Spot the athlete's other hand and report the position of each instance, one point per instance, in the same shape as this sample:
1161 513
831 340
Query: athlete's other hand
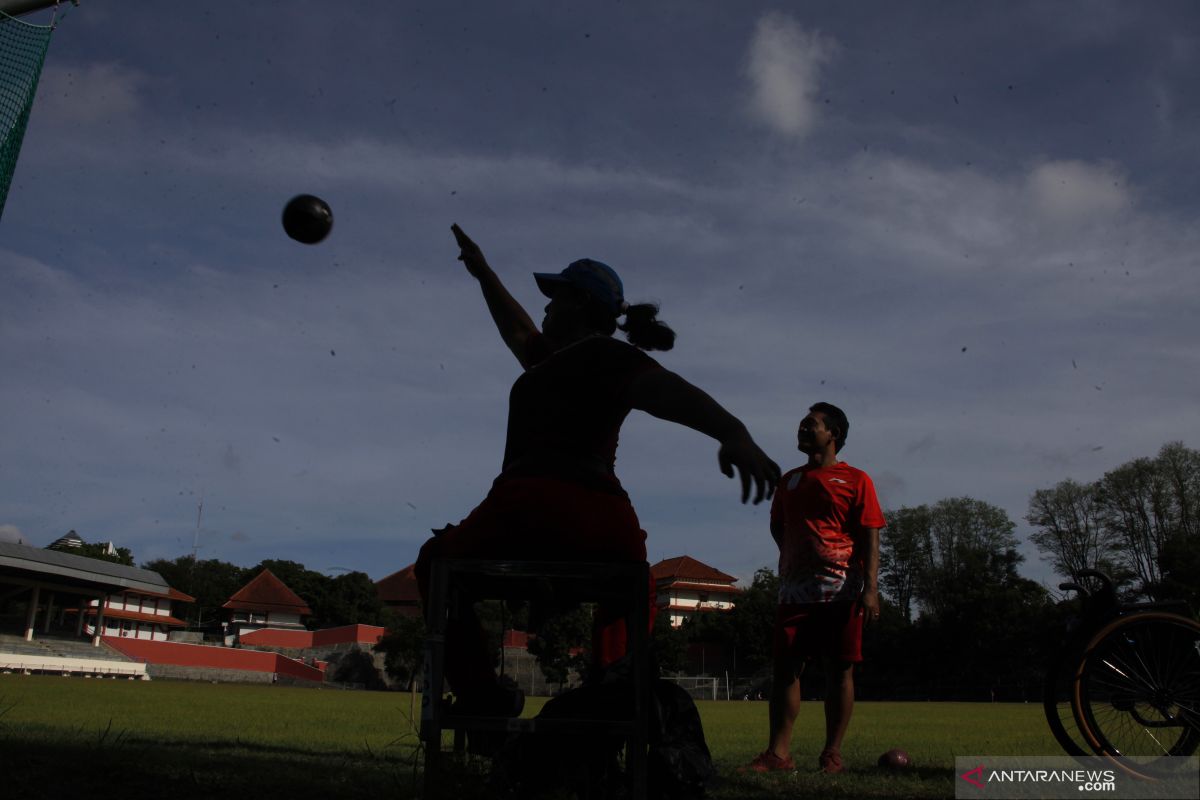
870 605
751 463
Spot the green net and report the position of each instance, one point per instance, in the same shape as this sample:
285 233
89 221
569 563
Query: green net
22 51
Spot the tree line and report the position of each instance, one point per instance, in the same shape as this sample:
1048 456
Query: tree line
1139 522
344 599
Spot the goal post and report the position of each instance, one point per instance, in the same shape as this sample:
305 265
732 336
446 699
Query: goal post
700 687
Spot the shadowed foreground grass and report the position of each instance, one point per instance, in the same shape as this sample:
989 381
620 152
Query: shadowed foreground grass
159 739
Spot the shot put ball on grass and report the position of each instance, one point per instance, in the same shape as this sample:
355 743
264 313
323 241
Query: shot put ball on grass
307 218
895 759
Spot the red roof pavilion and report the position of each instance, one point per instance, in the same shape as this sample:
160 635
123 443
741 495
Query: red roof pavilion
267 594
399 591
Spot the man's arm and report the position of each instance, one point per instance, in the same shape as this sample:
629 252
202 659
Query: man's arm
777 533
666 395
512 321
870 593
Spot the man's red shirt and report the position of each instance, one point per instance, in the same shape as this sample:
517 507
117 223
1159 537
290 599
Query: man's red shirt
823 512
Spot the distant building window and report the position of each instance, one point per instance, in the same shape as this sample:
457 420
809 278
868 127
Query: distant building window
703 597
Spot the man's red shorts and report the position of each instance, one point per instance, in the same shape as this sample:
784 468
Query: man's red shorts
830 630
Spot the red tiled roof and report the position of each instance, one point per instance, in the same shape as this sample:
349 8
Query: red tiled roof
170 594
267 593
690 586
120 613
688 568
517 639
399 588
175 594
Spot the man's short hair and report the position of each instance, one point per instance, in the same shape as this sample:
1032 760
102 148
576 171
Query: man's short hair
835 419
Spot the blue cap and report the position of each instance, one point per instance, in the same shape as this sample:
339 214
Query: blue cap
594 277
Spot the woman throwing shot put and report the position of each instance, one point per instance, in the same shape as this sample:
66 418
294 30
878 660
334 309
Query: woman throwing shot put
557 497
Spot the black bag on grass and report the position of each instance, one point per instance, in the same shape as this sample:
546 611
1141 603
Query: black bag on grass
678 766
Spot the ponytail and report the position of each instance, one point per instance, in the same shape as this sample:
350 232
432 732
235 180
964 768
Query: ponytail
644 330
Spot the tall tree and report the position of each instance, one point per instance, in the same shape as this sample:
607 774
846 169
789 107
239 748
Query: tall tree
751 623
670 646
902 555
403 646
1180 469
1152 507
969 542
353 599
1070 529
1137 510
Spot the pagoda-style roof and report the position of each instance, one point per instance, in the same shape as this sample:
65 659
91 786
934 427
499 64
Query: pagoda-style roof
686 568
399 588
267 594
69 539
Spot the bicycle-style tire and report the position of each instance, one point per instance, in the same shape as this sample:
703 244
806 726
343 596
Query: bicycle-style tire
1058 706
1136 691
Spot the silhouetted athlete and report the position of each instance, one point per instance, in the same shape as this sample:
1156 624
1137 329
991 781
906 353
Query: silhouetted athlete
557 497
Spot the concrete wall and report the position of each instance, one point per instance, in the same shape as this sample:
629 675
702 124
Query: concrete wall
292 640
207 657
210 674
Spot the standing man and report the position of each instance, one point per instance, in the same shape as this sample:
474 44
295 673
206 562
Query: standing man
826 520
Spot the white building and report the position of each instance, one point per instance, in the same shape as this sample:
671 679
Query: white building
686 587
137 614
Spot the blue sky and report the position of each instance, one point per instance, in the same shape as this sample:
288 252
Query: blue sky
972 226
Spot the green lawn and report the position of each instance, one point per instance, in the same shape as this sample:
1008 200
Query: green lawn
136 739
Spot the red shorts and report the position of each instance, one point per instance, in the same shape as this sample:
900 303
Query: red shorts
533 518
829 630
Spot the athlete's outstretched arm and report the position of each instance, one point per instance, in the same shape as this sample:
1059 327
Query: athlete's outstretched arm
665 395
511 319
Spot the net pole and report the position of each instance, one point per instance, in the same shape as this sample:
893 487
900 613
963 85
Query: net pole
15 8
22 52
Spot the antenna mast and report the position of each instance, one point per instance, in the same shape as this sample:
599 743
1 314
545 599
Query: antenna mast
195 551
196 536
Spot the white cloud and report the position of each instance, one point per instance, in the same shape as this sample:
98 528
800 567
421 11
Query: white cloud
1078 192
11 533
784 65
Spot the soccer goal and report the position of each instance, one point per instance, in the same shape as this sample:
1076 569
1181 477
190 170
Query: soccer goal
700 687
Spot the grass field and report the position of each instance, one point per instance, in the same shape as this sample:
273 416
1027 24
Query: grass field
160 739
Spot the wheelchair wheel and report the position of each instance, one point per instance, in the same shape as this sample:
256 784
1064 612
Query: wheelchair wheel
1056 703
1136 691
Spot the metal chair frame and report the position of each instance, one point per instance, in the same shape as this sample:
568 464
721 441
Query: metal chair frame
455 582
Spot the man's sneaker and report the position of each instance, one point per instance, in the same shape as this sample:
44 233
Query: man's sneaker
767 761
830 761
